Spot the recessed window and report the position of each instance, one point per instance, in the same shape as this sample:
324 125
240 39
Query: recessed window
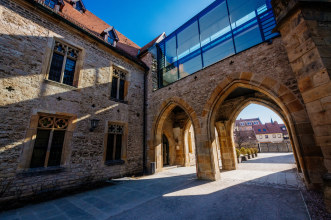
274 136
118 84
242 123
78 6
266 136
111 37
256 123
50 3
264 130
49 141
259 130
261 137
114 143
249 123
63 64
279 135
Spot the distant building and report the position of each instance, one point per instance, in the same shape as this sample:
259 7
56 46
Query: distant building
271 132
246 124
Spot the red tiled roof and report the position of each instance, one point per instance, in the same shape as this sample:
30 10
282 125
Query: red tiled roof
97 26
150 44
267 128
247 120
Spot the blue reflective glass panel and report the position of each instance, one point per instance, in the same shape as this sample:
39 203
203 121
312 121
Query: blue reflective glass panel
188 40
69 72
170 74
190 65
170 50
218 52
214 24
248 38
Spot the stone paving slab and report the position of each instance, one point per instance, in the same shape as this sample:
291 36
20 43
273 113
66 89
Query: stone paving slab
255 191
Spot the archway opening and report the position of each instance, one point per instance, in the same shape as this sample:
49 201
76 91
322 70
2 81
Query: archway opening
177 147
231 136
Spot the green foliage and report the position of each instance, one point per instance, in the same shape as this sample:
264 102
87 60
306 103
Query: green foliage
243 151
238 152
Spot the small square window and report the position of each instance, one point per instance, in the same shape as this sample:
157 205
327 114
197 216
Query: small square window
266 136
63 64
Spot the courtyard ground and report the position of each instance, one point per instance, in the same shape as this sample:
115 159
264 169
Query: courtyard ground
266 187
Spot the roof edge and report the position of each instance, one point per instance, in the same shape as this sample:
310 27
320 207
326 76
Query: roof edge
77 27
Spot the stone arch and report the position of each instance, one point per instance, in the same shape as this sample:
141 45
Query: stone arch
157 127
283 98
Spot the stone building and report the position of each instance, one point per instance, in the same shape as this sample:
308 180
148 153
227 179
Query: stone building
270 132
115 109
246 124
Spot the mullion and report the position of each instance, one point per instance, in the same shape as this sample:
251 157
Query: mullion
64 63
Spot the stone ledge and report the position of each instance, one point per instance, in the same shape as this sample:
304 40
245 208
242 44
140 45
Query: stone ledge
114 162
40 171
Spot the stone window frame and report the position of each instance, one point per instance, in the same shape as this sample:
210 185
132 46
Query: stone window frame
274 136
279 135
48 61
29 142
126 83
266 136
124 144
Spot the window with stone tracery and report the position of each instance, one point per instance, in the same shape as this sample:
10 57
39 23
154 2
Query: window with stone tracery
114 142
48 145
118 84
63 64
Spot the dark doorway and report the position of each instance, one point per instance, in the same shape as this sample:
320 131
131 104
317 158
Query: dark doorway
165 144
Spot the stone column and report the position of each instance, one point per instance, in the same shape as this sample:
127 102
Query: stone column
207 161
305 27
228 153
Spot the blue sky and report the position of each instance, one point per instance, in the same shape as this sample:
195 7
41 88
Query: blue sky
259 111
143 20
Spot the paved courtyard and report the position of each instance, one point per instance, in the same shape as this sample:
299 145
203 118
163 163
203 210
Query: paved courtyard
266 187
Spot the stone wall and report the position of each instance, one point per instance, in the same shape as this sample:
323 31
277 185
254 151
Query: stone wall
26 42
266 69
275 147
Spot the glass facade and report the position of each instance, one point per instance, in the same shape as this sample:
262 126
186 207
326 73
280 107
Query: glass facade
224 28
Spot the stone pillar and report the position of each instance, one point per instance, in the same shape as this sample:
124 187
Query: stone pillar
305 27
207 161
228 153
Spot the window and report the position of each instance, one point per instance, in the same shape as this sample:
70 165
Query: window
261 137
264 129
50 3
256 123
63 65
249 123
114 143
259 130
242 123
48 146
111 37
79 6
274 136
118 84
279 135
266 136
